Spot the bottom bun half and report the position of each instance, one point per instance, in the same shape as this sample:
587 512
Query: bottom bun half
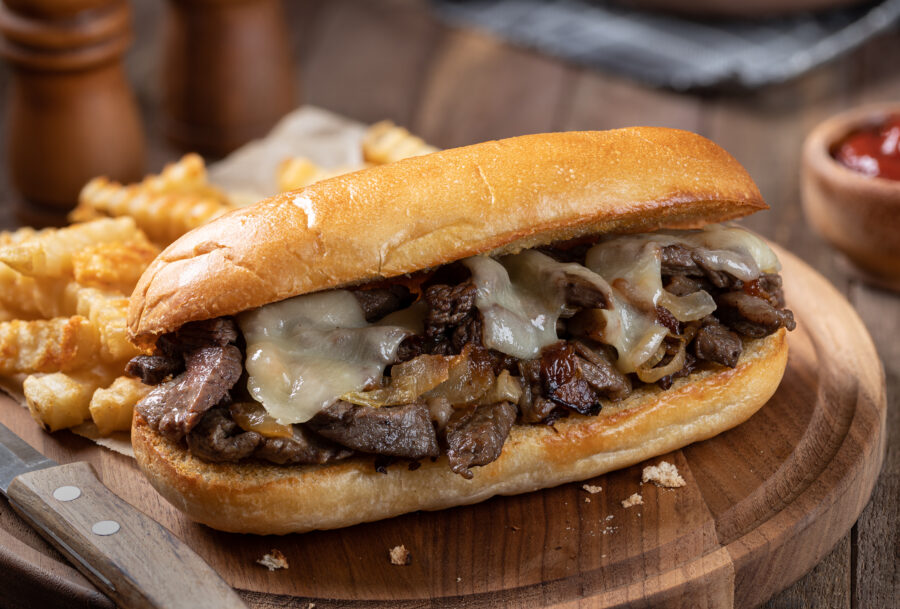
254 497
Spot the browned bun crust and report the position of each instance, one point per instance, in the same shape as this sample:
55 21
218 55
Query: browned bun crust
498 196
252 497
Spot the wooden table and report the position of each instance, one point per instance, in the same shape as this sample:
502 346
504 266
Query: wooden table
393 60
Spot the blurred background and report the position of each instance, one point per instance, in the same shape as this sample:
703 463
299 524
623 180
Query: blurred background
746 74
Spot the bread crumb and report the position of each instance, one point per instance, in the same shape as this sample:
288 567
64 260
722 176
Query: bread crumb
665 474
458 579
311 606
593 490
273 560
587 499
635 499
400 556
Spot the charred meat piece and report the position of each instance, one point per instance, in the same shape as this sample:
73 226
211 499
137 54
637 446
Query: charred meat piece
475 436
220 331
752 316
767 287
533 407
218 438
581 293
665 318
716 343
600 372
154 369
305 447
448 306
379 302
175 407
398 431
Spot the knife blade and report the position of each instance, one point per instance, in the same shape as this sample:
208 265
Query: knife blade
130 557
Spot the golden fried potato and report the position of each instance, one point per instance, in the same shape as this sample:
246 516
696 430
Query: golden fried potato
298 172
163 216
111 408
60 400
49 254
107 311
30 298
385 142
47 345
113 266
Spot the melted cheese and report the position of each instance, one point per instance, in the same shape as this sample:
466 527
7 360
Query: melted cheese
521 297
304 352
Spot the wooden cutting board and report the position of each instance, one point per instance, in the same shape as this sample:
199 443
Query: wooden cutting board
763 504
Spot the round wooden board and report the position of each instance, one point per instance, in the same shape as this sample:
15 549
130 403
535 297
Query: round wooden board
764 502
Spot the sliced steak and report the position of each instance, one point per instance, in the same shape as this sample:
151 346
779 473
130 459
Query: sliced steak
154 369
220 331
382 301
677 260
475 436
716 343
752 316
305 447
448 306
581 293
176 406
218 438
682 285
398 431
600 372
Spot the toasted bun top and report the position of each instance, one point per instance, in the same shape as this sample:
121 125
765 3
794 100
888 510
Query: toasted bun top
499 196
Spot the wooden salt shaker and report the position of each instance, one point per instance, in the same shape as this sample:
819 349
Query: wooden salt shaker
228 72
72 115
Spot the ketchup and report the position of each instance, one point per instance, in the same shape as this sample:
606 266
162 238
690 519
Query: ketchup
875 151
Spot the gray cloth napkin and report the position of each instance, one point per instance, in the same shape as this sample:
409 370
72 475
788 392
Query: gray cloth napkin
676 52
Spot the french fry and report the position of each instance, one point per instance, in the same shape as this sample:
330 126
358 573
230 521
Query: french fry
113 266
30 298
111 408
59 400
385 142
49 254
18 236
163 216
298 172
47 345
107 312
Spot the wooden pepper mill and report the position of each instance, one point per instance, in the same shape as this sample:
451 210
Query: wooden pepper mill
72 115
228 74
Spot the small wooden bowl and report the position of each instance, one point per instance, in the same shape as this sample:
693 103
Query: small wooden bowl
857 214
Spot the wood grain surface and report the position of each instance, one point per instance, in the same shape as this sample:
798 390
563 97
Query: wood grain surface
393 60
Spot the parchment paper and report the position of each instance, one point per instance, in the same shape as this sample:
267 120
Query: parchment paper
249 174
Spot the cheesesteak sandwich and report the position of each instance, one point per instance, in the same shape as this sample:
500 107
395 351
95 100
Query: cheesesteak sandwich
486 320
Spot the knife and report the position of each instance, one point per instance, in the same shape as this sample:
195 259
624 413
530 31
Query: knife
130 557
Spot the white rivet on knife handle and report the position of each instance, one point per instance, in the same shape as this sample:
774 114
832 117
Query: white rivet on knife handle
67 493
105 527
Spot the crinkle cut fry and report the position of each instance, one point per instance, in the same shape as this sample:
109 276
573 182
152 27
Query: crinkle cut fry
47 345
163 216
385 142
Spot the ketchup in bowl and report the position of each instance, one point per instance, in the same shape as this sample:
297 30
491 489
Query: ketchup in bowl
873 151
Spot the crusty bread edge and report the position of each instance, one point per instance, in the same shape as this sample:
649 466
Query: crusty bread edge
494 197
268 499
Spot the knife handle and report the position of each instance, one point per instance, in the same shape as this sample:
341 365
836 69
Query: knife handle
130 557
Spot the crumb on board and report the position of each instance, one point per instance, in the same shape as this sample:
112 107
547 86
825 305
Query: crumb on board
311 606
593 490
635 499
587 499
665 475
400 555
273 560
